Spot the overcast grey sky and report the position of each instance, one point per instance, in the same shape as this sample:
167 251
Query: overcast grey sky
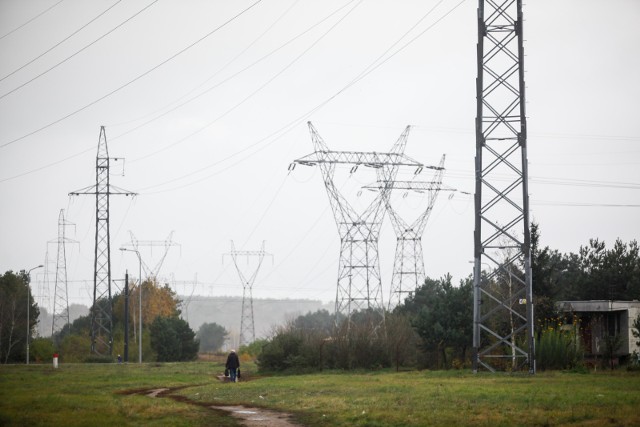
207 102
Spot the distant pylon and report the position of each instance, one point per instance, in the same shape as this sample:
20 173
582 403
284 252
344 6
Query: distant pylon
408 266
359 284
102 308
247 324
61 293
152 272
44 293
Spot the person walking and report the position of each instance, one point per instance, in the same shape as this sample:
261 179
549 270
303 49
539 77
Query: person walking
233 363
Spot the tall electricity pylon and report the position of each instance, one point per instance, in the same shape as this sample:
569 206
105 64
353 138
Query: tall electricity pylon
152 273
44 293
186 296
359 284
61 292
503 309
408 266
102 308
247 324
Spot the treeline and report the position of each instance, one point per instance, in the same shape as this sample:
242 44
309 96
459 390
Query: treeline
433 327
165 336
431 330
595 272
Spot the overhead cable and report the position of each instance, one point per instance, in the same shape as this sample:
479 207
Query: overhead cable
32 19
61 41
289 126
175 55
282 70
74 54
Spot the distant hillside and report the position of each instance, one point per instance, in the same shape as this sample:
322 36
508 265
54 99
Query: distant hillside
226 311
45 319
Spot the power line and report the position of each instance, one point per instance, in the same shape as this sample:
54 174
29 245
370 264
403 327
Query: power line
587 205
283 130
61 41
224 67
32 19
282 70
74 54
289 126
193 98
136 78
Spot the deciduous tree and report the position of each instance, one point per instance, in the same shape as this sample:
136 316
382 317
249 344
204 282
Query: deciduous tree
211 336
14 297
173 340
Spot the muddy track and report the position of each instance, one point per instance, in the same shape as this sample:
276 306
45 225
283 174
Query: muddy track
247 415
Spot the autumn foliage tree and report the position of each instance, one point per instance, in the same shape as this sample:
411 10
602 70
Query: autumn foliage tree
157 301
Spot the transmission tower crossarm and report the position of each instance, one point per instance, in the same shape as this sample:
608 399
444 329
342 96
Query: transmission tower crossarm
167 244
369 159
112 190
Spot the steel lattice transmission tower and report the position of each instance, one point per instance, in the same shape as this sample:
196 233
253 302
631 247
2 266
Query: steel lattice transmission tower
61 292
408 266
247 324
503 307
152 272
102 310
359 284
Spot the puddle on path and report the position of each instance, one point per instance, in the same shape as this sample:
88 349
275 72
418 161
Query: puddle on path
258 417
247 415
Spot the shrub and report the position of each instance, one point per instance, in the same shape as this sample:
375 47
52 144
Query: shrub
98 359
282 352
42 350
558 346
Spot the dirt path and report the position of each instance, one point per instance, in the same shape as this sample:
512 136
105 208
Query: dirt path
247 415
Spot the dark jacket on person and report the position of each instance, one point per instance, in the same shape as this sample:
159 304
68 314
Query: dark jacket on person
232 361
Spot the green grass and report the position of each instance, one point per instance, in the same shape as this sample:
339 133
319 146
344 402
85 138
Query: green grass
102 395
96 394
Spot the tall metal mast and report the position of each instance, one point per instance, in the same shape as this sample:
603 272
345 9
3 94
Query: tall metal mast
247 324
152 272
408 266
102 308
503 306
61 292
359 284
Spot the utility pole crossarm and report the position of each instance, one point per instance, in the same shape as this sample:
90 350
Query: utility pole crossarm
418 186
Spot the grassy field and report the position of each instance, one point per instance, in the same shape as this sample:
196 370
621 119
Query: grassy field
116 395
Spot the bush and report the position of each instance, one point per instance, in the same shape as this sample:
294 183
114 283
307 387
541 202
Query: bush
558 346
282 352
362 343
41 350
75 348
94 358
